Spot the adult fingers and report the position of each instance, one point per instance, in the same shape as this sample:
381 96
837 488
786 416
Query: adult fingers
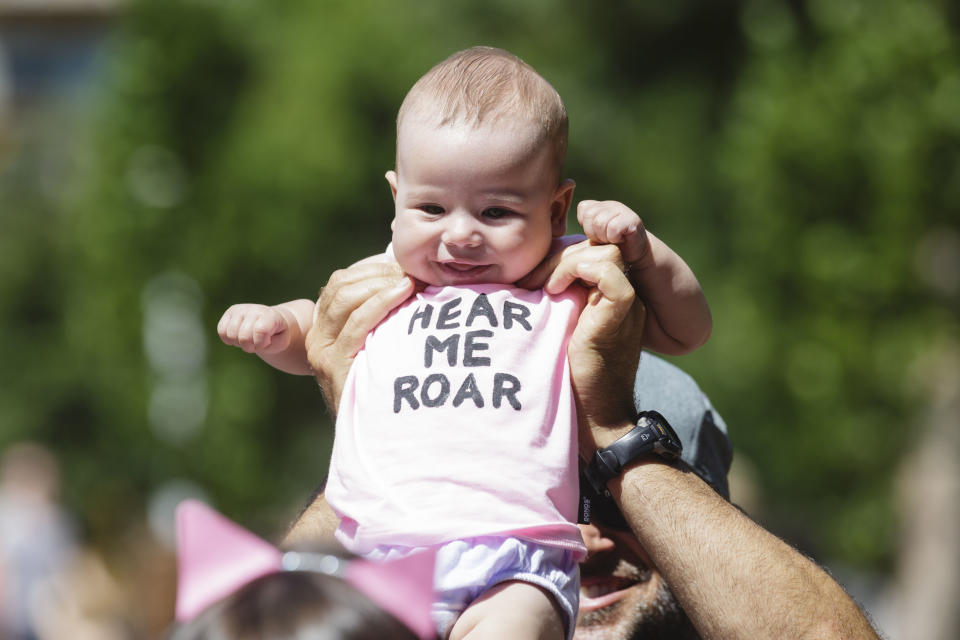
349 288
537 278
609 301
356 310
604 348
347 314
582 262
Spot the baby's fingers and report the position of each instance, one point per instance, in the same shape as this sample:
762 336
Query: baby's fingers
607 222
590 215
622 226
246 332
258 328
269 332
251 327
229 326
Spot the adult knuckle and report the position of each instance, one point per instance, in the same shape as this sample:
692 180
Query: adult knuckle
392 268
321 359
610 252
340 298
612 270
337 278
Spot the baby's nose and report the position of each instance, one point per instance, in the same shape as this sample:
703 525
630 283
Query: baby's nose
462 230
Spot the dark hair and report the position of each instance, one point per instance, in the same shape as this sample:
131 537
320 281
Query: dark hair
294 605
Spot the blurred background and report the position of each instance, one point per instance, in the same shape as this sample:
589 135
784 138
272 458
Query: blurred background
162 159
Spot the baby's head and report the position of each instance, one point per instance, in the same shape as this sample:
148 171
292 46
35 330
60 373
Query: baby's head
291 606
481 140
232 585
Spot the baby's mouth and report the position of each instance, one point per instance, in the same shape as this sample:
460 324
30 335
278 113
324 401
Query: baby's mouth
463 268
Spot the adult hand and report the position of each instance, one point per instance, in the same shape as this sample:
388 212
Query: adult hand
353 302
605 347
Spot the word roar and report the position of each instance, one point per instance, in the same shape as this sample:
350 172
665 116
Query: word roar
435 391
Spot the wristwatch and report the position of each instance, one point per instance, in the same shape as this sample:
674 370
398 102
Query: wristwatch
653 434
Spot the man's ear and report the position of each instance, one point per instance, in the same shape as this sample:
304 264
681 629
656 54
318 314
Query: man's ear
391 177
559 207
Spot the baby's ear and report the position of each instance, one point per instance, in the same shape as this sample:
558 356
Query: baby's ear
391 177
562 198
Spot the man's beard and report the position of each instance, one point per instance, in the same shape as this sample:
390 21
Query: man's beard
658 619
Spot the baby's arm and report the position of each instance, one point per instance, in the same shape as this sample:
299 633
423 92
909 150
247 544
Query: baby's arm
276 334
678 318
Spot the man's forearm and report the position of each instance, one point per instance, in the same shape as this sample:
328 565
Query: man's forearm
315 526
732 577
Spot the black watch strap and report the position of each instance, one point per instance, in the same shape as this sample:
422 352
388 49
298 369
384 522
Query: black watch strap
653 434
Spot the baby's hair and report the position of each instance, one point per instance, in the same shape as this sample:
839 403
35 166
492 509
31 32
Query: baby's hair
294 605
483 84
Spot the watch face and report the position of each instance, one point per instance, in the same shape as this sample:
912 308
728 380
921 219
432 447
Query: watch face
667 444
652 435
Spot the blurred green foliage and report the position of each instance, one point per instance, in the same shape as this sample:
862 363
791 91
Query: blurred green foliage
803 156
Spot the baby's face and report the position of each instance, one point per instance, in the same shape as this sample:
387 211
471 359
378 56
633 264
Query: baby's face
474 205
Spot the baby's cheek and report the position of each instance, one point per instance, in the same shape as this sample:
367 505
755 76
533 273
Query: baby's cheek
413 259
402 253
528 259
408 262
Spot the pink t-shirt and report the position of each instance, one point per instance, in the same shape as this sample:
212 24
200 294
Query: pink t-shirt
457 420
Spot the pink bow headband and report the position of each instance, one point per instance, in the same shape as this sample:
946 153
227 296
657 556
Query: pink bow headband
215 557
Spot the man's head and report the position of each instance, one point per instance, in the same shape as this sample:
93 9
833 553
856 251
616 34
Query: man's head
622 595
480 145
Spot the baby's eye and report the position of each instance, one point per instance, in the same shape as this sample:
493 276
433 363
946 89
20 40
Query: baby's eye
496 212
432 209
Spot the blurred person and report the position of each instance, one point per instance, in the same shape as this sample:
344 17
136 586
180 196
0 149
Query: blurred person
36 537
460 425
6 109
85 602
668 555
234 586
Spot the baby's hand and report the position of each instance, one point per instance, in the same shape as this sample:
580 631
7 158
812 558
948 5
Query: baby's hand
255 328
611 222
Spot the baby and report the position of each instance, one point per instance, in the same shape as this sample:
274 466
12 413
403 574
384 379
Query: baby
457 426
